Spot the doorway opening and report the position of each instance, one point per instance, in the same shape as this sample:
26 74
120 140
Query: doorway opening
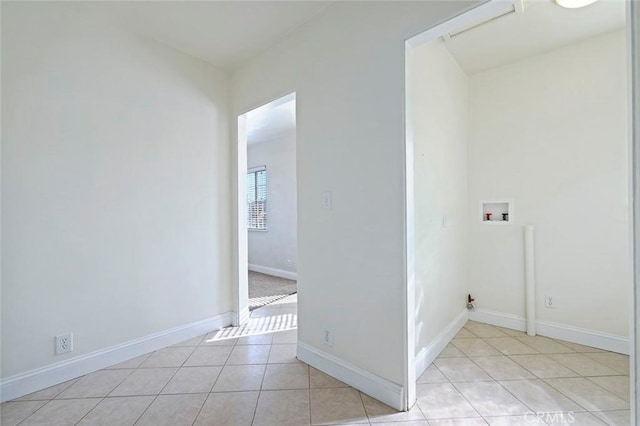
267 211
517 115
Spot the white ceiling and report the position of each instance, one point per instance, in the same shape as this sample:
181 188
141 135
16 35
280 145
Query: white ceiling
541 27
223 33
270 121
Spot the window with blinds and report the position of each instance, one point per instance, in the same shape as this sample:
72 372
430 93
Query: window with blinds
257 198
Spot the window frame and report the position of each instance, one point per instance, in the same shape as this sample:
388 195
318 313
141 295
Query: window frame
254 171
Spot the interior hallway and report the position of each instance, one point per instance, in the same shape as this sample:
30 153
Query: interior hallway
250 376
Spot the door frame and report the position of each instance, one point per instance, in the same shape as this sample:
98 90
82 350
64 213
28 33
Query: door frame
476 14
633 44
241 233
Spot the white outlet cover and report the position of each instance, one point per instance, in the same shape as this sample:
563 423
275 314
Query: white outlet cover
326 200
328 337
64 343
549 301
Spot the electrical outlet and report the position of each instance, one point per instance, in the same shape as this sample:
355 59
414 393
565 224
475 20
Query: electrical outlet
289 263
326 200
64 343
328 337
549 302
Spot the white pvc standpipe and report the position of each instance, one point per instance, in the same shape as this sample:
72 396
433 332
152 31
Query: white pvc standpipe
529 280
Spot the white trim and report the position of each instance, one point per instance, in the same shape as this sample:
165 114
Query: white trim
375 386
431 352
500 319
290 275
595 339
475 15
269 105
243 317
43 377
633 43
581 336
241 235
409 289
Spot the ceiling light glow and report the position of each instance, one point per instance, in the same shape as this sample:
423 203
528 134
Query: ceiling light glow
574 4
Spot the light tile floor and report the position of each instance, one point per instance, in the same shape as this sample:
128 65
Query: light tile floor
250 376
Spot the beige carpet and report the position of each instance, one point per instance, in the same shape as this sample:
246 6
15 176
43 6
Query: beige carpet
265 289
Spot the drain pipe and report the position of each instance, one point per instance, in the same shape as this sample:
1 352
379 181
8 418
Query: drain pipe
529 280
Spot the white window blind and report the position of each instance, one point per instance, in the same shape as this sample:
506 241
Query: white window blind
257 198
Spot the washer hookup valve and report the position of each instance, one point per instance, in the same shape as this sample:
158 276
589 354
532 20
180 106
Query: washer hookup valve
470 301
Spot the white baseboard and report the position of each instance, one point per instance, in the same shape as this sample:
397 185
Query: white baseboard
426 356
499 319
290 275
595 339
40 378
375 386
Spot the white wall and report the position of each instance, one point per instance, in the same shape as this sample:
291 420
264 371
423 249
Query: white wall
115 186
272 248
347 69
438 96
550 132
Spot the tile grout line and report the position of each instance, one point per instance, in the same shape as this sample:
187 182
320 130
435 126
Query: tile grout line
23 420
544 380
568 397
607 390
546 356
88 412
208 394
64 390
565 366
102 399
264 374
507 390
465 398
165 385
538 378
309 382
364 408
493 381
519 341
420 409
26 418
